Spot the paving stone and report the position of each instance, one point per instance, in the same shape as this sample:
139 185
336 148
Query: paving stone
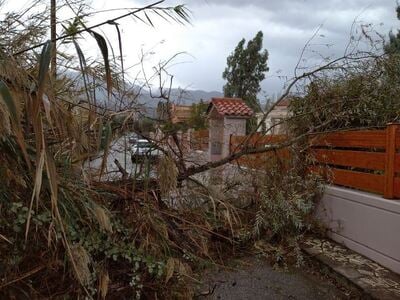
348 272
372 278
367 273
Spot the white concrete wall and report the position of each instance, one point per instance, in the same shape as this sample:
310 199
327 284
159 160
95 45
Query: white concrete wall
216 130
232 126
364 222
279 112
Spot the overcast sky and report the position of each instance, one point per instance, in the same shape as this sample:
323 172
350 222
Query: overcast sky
218 25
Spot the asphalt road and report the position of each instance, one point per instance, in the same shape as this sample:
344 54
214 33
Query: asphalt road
121 150
258 280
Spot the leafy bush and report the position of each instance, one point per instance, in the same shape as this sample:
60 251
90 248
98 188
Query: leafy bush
287 201
285 207
366 94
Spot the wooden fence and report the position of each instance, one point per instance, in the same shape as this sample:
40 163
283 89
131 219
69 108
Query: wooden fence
199 140
366 160
257 141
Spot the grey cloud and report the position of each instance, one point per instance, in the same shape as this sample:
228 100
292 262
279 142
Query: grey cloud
287 24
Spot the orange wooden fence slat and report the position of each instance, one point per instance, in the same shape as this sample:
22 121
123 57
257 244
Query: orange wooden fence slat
257 139
397 142
352 139
355 159
389 162
363 181
237 143
397 163
396 187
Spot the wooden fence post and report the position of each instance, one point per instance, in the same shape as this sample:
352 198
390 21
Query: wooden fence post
391 130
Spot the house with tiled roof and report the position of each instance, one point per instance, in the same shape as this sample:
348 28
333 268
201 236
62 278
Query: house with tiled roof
275 117
227 116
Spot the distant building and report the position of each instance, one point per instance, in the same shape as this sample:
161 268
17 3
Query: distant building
180 113
276 117
227 116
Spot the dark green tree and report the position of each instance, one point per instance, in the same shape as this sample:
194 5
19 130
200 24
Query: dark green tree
246 68
197 119
393 46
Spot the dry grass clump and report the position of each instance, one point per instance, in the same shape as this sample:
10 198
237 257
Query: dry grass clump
167 173
82 262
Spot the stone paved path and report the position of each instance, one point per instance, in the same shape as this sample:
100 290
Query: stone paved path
375 280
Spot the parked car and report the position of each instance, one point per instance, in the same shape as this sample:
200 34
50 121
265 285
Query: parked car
144 149
133 139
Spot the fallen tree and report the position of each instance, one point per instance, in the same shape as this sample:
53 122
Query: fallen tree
65 232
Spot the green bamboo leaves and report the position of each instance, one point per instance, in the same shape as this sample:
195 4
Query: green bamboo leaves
9 101
44 64
101 42
15 120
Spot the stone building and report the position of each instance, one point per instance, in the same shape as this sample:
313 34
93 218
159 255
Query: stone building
227 116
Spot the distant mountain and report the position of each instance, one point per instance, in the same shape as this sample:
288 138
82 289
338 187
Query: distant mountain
182 97
188 97
178 96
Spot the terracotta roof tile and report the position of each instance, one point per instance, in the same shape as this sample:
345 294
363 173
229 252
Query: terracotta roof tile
231 107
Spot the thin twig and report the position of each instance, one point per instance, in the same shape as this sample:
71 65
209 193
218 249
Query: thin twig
27 274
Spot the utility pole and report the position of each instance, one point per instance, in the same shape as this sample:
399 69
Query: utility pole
53 36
